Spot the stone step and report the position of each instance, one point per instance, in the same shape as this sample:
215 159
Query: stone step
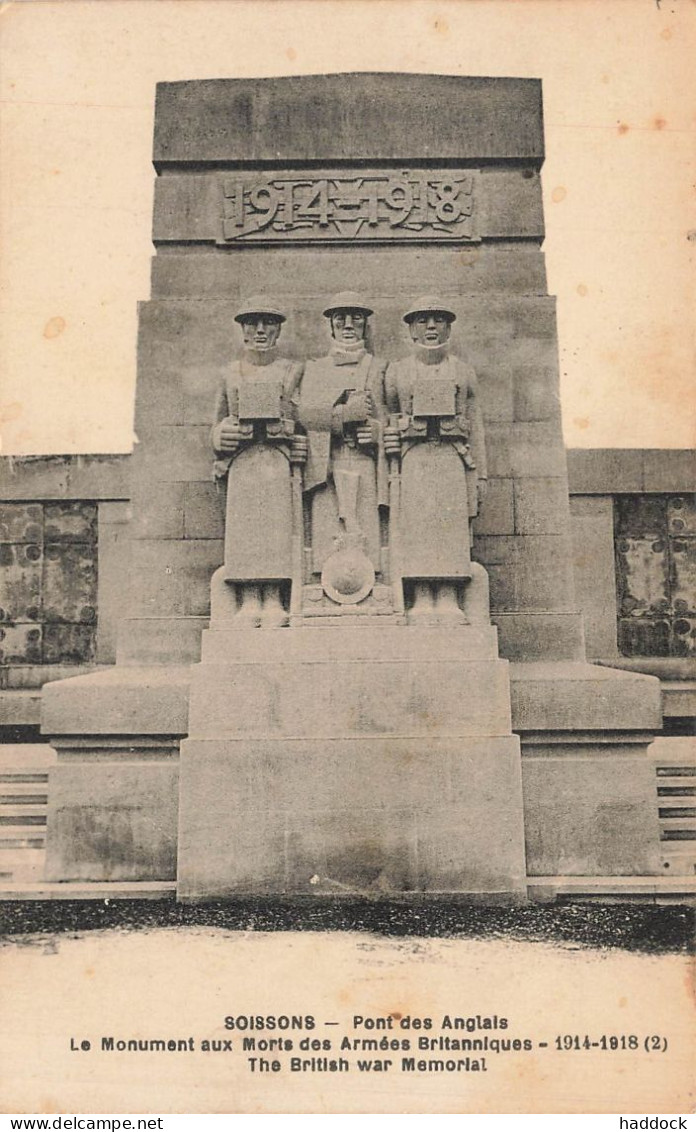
672 823
33 837
24 770
672 888
675 788
22 813
19 777
88 890
540 889
23 794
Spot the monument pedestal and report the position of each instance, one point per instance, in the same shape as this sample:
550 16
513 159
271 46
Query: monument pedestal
391 769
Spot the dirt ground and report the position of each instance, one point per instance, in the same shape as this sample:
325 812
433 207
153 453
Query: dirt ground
641 928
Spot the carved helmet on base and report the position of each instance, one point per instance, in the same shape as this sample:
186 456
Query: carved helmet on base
428 304
260 304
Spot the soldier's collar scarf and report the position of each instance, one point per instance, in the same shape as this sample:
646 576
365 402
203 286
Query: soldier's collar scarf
431 355
347 355
260 357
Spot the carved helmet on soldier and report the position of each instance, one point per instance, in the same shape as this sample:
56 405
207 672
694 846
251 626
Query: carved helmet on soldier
428 304
347 301
259 305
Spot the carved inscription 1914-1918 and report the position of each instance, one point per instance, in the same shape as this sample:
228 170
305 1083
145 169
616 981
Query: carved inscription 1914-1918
353 205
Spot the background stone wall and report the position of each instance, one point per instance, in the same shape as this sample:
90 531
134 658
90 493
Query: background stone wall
64 561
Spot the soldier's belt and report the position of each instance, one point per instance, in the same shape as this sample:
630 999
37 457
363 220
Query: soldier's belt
280 429
412 427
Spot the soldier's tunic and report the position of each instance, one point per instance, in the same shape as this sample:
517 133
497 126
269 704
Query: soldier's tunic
258 509
439 476
333 450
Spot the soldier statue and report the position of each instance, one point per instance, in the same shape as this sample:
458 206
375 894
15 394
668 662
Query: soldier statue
256 444
342 410
436 428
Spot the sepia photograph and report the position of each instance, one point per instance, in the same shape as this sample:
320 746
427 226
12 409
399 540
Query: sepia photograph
347 557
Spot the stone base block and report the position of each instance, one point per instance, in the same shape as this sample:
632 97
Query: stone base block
540 636
348 816
380 642
590 810
118 701
112 812
349 698
570 696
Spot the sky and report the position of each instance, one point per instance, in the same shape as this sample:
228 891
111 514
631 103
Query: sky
76 118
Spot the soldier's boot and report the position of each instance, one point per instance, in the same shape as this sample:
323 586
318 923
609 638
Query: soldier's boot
248 615
423 608
273 616
447 606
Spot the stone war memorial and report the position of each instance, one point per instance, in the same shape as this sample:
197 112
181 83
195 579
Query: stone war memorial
350 658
